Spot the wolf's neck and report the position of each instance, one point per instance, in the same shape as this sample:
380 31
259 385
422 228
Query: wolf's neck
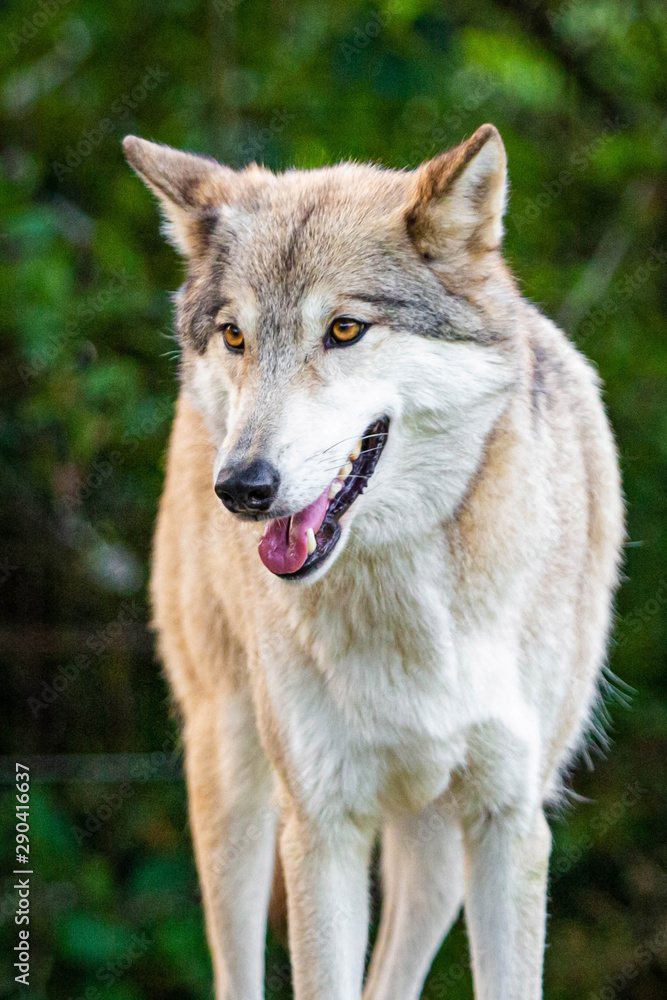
441 553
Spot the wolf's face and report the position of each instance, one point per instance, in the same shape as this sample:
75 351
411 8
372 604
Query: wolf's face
339 335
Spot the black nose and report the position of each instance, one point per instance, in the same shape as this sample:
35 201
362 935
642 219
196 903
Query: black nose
247 487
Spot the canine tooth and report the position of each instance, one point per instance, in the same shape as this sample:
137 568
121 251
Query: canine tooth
310 541
354 455
335 488
346 470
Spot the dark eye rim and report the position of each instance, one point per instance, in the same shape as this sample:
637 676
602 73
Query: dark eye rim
330 341
227 326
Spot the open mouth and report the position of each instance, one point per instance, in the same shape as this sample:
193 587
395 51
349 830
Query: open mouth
292 547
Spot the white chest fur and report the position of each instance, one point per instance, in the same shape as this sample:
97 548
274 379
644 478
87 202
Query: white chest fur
378 692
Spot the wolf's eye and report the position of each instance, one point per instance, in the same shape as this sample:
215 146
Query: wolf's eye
343 331
233 337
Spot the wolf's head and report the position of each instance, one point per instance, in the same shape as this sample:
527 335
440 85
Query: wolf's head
345 331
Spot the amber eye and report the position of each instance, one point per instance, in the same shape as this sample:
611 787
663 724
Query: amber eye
233 337
345 330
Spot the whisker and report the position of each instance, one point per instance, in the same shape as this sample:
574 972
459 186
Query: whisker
364 451
353 437
335 445
334 468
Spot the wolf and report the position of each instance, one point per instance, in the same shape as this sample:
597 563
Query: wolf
384 565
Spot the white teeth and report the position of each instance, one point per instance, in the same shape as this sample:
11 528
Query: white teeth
354 455
346 470
335 488
310 541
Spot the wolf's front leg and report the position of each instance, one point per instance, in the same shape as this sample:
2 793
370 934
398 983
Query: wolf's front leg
506 879
326 876
233 828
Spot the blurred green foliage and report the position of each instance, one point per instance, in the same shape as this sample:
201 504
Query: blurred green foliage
578 91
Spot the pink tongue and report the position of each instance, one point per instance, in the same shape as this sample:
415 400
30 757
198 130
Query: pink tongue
283 548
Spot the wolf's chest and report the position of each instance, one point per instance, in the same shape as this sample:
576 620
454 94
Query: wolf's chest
375 716
372 737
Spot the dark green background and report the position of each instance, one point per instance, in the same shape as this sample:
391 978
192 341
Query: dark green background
577 90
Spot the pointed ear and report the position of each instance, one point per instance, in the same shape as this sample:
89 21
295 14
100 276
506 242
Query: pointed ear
191 189
460 198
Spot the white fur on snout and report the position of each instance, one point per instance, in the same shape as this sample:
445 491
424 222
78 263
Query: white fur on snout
220 460
317 433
